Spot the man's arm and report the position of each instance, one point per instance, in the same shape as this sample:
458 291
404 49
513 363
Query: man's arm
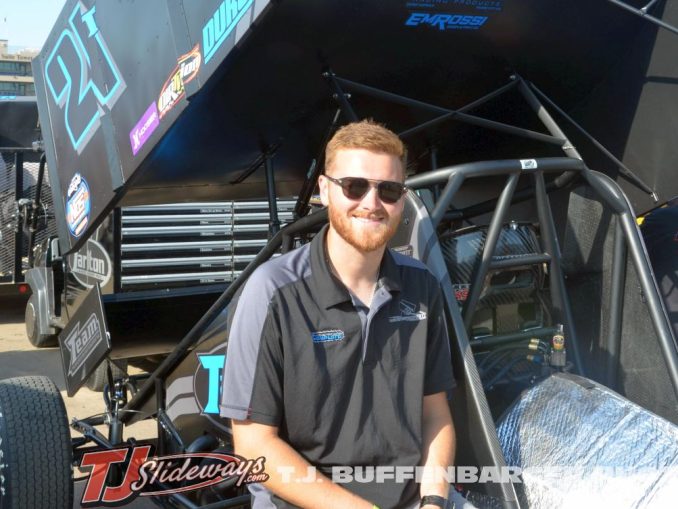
287 468
439 444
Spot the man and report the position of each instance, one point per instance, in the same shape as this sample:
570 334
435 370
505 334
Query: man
338 352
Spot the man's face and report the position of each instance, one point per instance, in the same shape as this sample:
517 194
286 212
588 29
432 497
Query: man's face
367 223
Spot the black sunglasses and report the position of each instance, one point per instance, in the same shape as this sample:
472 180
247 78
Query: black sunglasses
356 187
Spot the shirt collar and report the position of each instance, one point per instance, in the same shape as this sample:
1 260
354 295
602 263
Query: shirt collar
329 290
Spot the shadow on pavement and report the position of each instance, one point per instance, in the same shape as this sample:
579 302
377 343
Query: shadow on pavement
45 362
12 311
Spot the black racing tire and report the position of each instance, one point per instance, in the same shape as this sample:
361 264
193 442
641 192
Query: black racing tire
31 320
35 445
98 379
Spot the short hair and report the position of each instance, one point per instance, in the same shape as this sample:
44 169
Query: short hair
366 134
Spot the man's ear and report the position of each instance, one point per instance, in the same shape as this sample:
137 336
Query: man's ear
323 185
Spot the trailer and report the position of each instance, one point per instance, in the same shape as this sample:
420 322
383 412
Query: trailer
23 222
537 132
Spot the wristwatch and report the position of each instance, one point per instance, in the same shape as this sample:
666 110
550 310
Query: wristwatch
435 500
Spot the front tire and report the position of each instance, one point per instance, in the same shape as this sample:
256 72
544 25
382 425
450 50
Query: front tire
35 445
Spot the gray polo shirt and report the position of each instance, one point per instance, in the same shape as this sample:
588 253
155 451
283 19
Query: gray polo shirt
344 391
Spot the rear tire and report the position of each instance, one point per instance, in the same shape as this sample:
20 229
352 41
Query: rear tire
99 378
35 445
32 328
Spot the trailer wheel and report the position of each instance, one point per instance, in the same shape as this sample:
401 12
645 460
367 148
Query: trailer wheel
99 378
33 329
35 445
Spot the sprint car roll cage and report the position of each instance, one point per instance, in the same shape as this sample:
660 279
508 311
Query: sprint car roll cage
475 421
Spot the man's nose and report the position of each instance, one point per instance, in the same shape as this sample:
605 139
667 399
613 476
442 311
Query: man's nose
371 200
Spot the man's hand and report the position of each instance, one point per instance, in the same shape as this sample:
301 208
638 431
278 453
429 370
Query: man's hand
288 471
439 445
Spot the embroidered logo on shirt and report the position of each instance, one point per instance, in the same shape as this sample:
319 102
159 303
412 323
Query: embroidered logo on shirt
408 313
325 336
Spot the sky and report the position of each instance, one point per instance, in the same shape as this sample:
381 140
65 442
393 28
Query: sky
27 23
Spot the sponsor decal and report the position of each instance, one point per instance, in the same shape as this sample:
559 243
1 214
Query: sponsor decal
327 336
404 250
528 164
78 205
408 313
209 373
142 131
173 90
7 97
446 21
461 292
91 265
221 24
81 342
80 93
146 475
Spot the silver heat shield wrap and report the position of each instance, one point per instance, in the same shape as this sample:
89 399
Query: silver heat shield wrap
581 445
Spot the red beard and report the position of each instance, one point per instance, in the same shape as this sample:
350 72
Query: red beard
368 238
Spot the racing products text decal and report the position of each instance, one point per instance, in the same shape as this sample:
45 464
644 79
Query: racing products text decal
163 475
174 89
478 5
78 205
79 92
221 24
446 21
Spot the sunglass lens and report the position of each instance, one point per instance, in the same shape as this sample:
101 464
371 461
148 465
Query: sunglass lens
390 192
355 188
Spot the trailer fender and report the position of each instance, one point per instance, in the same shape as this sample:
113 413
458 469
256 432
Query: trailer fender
41 281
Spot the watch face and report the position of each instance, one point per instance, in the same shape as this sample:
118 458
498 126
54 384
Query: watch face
435 500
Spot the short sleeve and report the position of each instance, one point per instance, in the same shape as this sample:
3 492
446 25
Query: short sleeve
253 380
439 376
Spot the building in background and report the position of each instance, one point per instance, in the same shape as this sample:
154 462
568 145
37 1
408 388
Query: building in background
16 73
